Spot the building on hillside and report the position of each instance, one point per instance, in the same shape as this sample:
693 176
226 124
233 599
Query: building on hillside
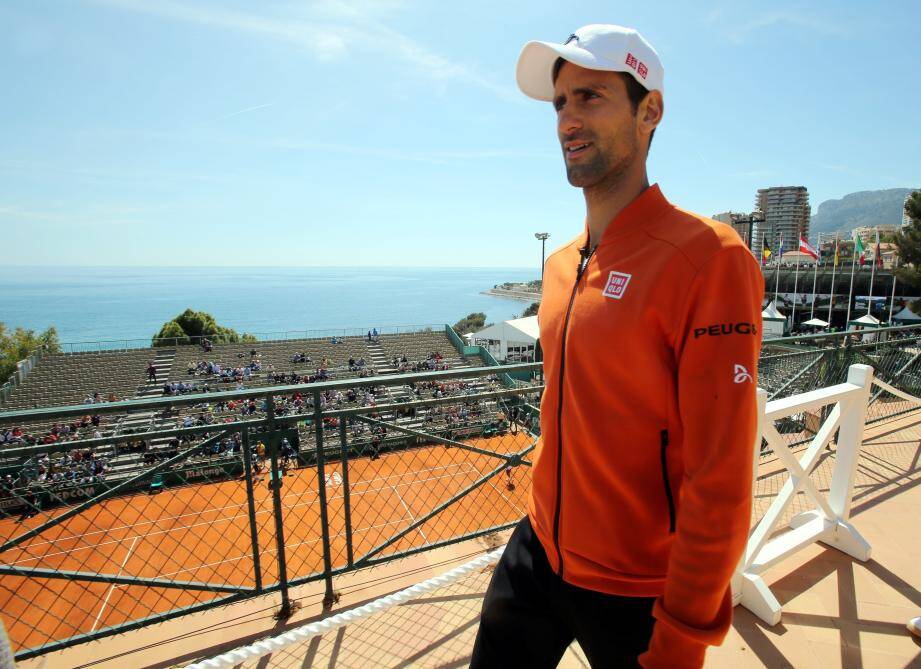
786 212
509 341
744 224
791 258
867 234
888 251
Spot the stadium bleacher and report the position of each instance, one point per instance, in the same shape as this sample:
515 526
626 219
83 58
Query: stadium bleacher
67 379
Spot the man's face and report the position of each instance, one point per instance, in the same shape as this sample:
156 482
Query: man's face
596 125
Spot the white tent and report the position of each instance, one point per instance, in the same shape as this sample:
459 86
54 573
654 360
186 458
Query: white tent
906 315
816 323
866 322
773 322
510 340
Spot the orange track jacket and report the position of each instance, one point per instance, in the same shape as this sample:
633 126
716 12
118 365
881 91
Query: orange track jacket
642 477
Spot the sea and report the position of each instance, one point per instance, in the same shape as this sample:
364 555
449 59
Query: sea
100 307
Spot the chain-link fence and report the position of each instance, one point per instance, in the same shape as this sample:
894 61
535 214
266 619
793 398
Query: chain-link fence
235 494
230 495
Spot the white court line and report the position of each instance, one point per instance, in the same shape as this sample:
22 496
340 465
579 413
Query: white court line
411 516
112 587
469 469
306 542
214 522
165 519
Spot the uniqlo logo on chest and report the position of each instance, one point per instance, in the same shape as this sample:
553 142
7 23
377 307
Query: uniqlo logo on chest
616 285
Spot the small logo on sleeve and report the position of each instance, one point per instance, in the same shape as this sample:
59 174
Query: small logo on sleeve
616 285
741 374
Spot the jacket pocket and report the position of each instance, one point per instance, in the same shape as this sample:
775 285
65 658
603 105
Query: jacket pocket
663 439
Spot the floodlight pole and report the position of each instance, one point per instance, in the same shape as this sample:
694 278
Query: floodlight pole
542 236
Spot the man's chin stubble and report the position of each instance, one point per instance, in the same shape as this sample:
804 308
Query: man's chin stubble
586 176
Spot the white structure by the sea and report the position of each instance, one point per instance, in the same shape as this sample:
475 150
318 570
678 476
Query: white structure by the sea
509 341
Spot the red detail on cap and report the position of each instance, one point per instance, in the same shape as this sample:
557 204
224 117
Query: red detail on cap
631 61
642 70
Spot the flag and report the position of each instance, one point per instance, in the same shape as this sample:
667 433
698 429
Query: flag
878 258
765 252
859 251
837 256
780 251
806 248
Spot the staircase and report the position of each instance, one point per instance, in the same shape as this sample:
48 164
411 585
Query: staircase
379 360
140 421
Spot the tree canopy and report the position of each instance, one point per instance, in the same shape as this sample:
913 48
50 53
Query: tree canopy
470 323
909 243
531 310
20 344
190 326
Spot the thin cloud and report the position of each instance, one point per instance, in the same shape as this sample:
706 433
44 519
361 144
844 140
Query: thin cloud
738 34
326 39
243 111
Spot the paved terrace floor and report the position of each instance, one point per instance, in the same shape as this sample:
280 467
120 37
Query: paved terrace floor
837 612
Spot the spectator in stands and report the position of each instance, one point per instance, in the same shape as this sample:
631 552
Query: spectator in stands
151 371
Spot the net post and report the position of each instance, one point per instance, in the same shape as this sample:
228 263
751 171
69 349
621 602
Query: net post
251 507
275 483
347 503
328 597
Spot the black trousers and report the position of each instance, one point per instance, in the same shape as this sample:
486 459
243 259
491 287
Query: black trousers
530 615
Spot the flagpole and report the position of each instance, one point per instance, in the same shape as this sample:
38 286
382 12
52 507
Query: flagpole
795 284
831 299
850 292
873 274
815 274
895 264
777 270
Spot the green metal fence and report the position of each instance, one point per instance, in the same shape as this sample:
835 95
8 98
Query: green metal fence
306 486
280 486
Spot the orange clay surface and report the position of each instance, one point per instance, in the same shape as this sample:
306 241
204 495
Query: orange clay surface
201 533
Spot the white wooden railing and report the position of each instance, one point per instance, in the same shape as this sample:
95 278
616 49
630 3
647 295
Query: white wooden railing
829 519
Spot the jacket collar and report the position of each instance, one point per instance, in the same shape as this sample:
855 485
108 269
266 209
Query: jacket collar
647 206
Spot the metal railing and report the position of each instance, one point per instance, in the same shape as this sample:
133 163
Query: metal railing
96 346
306 487
293 484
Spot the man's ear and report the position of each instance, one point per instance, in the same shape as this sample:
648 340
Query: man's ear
649 115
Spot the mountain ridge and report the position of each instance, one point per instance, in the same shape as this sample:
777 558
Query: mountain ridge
862 208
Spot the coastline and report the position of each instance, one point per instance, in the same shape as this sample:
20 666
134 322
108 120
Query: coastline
520 295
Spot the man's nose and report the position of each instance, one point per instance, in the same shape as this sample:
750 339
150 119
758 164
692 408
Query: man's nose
568 121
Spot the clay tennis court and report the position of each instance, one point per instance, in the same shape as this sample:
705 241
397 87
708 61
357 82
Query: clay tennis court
201 533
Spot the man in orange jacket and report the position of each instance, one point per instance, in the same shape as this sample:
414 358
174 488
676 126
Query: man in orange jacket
650 324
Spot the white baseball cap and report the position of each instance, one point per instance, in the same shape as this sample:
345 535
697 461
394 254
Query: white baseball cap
596 47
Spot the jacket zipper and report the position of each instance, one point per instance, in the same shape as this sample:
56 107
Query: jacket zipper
668 487
583 263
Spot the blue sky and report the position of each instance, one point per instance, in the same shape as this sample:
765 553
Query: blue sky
391 132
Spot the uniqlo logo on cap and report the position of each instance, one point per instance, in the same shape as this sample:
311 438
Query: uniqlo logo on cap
616 285
631 61
642 70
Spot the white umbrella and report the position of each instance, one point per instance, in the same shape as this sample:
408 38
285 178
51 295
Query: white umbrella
816 322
